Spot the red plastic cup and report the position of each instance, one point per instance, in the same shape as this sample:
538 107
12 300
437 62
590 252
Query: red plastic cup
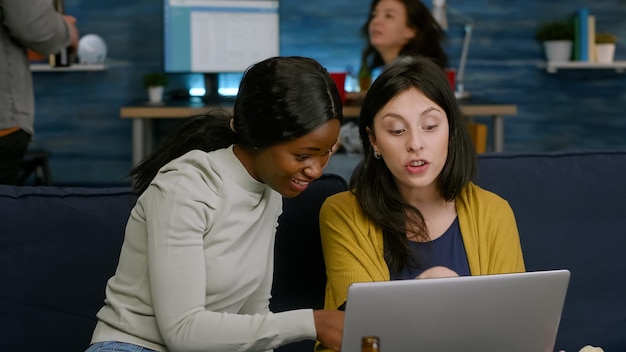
451 75
340 81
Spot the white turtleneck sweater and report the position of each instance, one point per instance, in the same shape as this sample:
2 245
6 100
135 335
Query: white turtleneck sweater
195 270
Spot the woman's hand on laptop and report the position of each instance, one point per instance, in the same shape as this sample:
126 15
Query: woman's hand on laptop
329 327
437 271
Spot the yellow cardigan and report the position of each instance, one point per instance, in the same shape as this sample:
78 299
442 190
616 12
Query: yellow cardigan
353 245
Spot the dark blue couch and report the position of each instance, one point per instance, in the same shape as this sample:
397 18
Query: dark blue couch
58 246
571 213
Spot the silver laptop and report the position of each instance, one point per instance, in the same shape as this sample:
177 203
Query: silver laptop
491 313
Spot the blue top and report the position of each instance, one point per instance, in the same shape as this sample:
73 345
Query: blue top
447 250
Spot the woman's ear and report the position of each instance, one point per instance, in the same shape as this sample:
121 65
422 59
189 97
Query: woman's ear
411 33
371 137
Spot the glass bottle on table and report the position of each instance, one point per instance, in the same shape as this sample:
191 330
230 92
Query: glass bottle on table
365 79
370 344
62 58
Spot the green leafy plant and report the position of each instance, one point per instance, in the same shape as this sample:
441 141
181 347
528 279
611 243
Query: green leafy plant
606 38
556 30
155 79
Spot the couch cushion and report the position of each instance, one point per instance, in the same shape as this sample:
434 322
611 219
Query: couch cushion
571 213
299 270
58 247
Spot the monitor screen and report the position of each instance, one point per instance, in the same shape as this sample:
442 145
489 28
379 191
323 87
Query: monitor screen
219 36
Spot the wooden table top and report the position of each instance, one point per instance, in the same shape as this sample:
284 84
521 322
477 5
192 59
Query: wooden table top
185 109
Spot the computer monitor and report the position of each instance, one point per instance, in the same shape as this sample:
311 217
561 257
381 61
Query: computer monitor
218 36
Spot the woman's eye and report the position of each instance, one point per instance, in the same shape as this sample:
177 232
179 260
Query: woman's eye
302 157
430 128
397 132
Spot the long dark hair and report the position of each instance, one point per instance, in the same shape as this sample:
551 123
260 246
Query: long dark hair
428 41
279 99
373 183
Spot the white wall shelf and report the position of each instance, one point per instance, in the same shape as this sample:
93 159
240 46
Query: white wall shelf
552 67
75 67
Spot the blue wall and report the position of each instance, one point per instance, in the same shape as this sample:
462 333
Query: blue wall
78 112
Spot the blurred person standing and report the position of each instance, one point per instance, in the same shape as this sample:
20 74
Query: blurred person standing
34 25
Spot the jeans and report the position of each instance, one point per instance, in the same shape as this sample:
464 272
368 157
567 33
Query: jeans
114 346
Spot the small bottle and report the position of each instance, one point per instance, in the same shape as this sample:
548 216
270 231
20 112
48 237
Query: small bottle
62 58
370 344
365 79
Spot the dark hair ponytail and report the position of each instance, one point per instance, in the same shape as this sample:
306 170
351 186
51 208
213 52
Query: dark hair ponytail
207 132
279 99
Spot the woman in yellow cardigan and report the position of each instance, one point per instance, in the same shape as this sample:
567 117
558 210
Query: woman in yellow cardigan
413 211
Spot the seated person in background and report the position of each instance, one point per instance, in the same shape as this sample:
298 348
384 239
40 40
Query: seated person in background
412 210
394 28
196 266
400 28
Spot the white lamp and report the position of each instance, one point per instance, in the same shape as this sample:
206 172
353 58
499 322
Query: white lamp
440 13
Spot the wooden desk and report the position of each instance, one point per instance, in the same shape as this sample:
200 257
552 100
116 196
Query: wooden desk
144 114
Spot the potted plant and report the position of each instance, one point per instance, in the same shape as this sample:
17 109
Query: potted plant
605 47
154 82
557 38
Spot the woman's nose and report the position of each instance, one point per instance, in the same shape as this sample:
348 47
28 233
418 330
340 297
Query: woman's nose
415 142
315 169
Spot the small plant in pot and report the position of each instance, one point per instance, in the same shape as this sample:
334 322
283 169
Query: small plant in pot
154 82
605 47
556 30
606 38
557 38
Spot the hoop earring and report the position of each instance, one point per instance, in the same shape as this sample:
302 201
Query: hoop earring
376 155
232 125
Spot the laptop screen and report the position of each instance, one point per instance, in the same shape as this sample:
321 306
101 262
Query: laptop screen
490 313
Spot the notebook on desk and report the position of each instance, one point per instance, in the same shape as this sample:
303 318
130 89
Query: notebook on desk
492 313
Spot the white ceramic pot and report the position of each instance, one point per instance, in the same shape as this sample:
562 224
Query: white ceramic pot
605 53
558 50
155 94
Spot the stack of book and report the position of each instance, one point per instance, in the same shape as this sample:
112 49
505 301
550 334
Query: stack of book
584 36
